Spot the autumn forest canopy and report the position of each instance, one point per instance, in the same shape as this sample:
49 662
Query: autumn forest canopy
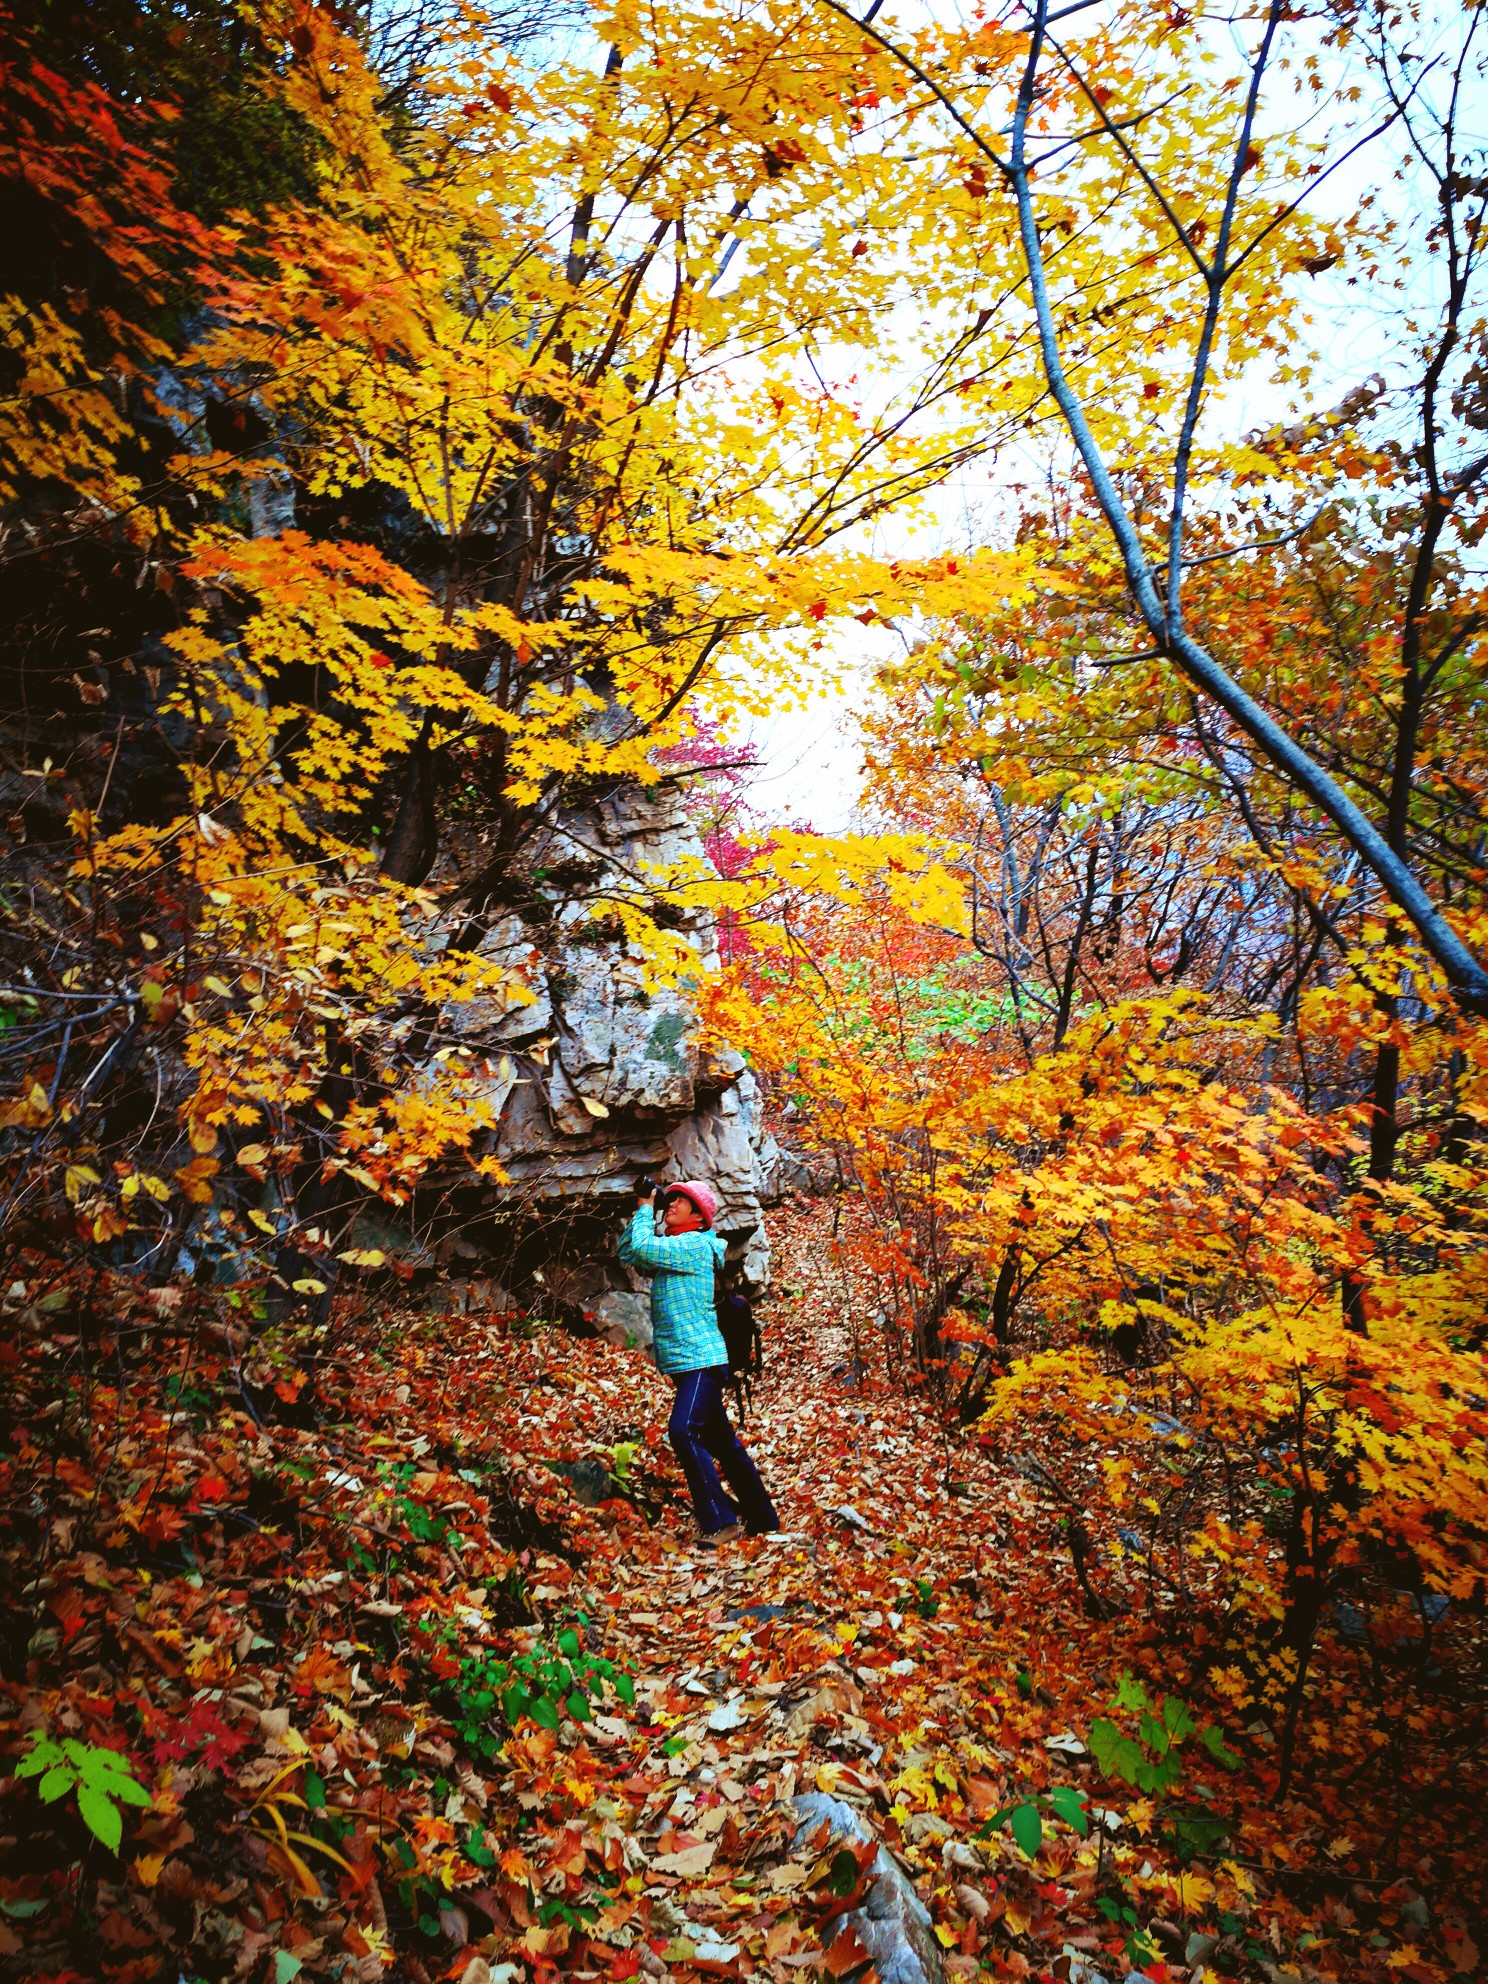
434 438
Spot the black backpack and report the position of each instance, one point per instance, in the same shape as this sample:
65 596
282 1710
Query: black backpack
742 1337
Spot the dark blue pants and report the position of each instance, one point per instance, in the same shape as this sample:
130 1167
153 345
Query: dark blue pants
701 1435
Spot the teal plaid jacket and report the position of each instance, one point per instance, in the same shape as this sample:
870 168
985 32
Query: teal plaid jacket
684 1323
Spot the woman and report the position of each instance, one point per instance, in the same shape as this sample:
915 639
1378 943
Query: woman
688 1346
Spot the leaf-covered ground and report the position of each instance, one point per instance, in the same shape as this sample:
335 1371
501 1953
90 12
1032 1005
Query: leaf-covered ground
423 1675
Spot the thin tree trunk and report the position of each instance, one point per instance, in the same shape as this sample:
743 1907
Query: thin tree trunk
414 840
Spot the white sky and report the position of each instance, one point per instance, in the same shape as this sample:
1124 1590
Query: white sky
811 768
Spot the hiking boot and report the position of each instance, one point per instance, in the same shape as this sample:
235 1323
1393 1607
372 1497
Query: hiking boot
714 1537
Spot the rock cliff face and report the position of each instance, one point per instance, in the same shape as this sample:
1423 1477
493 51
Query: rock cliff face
601 1080
596 1079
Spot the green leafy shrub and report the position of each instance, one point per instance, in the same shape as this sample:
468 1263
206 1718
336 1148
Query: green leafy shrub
102 1780
545 1684
1027 1815
1149 1760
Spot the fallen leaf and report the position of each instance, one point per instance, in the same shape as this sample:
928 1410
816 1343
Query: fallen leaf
690 1861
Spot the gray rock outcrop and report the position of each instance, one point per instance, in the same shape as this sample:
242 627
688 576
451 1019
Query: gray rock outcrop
594 1073
599 1076
892 1924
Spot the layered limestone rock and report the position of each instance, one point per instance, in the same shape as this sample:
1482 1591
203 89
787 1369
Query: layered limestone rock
599 1080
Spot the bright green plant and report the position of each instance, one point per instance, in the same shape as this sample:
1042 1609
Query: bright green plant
918 1598
1027 1815
622 1459
102 1780
1149 1760
1139 1947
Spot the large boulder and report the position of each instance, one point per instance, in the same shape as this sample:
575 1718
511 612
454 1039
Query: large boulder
599 1076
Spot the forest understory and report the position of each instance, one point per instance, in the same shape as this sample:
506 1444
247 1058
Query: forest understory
298 1598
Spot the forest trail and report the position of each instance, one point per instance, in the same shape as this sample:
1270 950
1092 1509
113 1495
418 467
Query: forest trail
415 1687
896 1650
447 454
413 1649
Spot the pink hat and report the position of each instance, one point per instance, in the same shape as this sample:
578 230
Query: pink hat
702 1196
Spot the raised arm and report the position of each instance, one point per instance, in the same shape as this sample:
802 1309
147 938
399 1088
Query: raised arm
641 1246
